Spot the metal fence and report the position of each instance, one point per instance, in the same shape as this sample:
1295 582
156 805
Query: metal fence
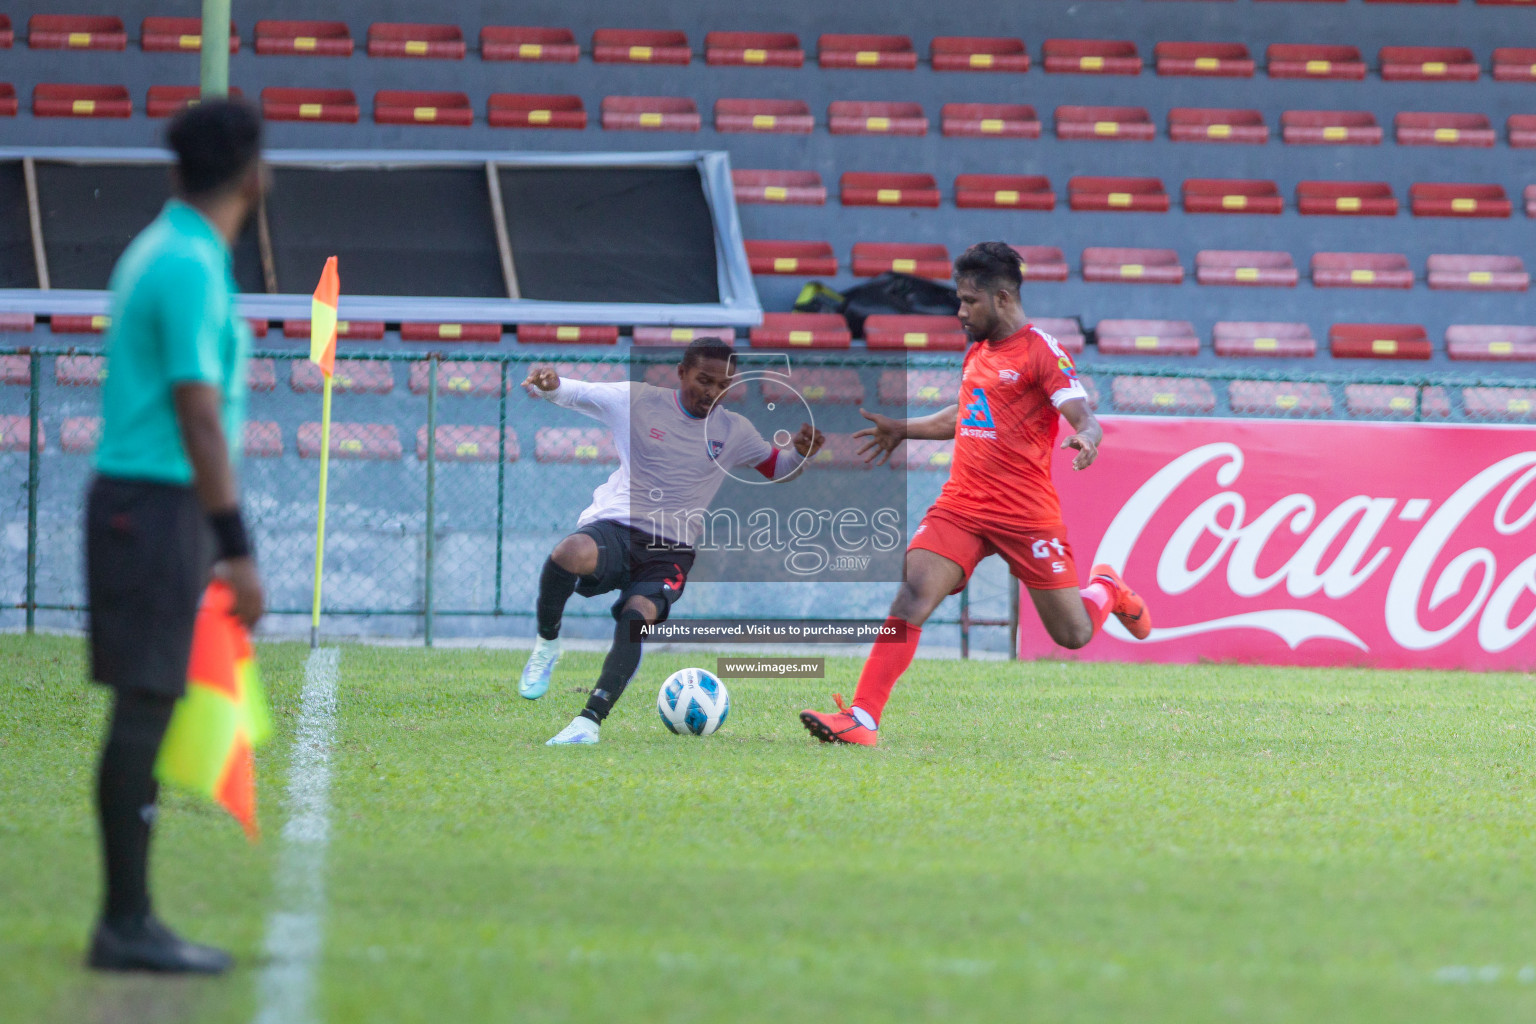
448 537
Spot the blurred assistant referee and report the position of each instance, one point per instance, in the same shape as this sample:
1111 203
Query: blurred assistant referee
163 507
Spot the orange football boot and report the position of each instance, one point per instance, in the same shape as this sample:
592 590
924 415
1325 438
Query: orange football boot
839 728
1129 608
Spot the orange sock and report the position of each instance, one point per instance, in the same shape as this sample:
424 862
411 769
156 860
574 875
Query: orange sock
1098 599
888 659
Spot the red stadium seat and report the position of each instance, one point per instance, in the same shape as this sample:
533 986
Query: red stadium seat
841 451
7 34
1378 341
61 100
1132 124
1499 404
346 330
1263 338
751 49
79 371
1330 127
1271 397
926 455
1162 394
798 187
455 378
763 116
261 375
1042 263
1446 199
1223 60
167 100
178 35
574 444
1092 387
656 336
1514 64
1194 124
1428 129
16 434
585 334
801 330
978 53
877 188
262 439
936 333
280 104
76 323
450 332
1147 338
855 117
8 103
866 51
305 38
1067 331
1140 194
396 39
15 371
1522 130
650 113
1361 270
1396 401
919 387
640 46
354 376
79 435
980 120
1245 267
775 257
395 106
1314 60
1137 266
1004 192
1231 195
466 444
924 260
379 442
1530 200
825 387
1428 64
258 327
1491 342
535 110
76 32
1478 273
1347 198
18 321
1092 57
517 42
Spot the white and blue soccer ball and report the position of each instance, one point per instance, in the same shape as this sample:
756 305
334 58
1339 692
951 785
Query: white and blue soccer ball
693 702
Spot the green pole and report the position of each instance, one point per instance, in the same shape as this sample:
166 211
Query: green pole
215 48
501 480
34 445
431 491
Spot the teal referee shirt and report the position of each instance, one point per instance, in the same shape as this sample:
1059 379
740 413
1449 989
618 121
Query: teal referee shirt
173 322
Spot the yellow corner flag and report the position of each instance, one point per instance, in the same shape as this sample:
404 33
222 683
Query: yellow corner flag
323 319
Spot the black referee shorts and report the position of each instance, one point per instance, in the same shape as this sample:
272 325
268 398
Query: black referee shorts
148 555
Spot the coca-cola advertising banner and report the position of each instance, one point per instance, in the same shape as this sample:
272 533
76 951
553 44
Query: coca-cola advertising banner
1310 543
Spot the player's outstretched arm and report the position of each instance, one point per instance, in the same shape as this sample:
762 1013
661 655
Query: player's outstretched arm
1087 436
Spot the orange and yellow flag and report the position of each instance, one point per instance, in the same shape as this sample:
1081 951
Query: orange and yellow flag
323 318
223 717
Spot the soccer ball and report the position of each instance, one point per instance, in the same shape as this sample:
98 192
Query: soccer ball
693 701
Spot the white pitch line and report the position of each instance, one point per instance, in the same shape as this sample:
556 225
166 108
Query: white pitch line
286 992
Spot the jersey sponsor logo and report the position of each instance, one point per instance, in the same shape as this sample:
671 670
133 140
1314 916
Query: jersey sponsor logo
978 419
657 433
675 583
1008 376
1063 361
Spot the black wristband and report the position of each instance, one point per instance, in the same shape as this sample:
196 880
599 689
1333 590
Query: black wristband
229 530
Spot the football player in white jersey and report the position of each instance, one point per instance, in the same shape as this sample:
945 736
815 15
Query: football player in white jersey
675 448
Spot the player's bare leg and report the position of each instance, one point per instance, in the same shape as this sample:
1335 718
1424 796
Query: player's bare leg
1072 616
929 579
619 668
575 556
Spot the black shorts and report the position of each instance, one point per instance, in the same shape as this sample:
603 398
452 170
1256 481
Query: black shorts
148 552
636 564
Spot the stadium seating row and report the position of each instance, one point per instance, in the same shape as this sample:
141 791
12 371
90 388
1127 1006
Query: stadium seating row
782 49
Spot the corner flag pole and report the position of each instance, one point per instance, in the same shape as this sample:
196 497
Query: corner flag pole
322 352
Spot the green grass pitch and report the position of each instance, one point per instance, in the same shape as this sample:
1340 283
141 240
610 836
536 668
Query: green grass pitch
1033 841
